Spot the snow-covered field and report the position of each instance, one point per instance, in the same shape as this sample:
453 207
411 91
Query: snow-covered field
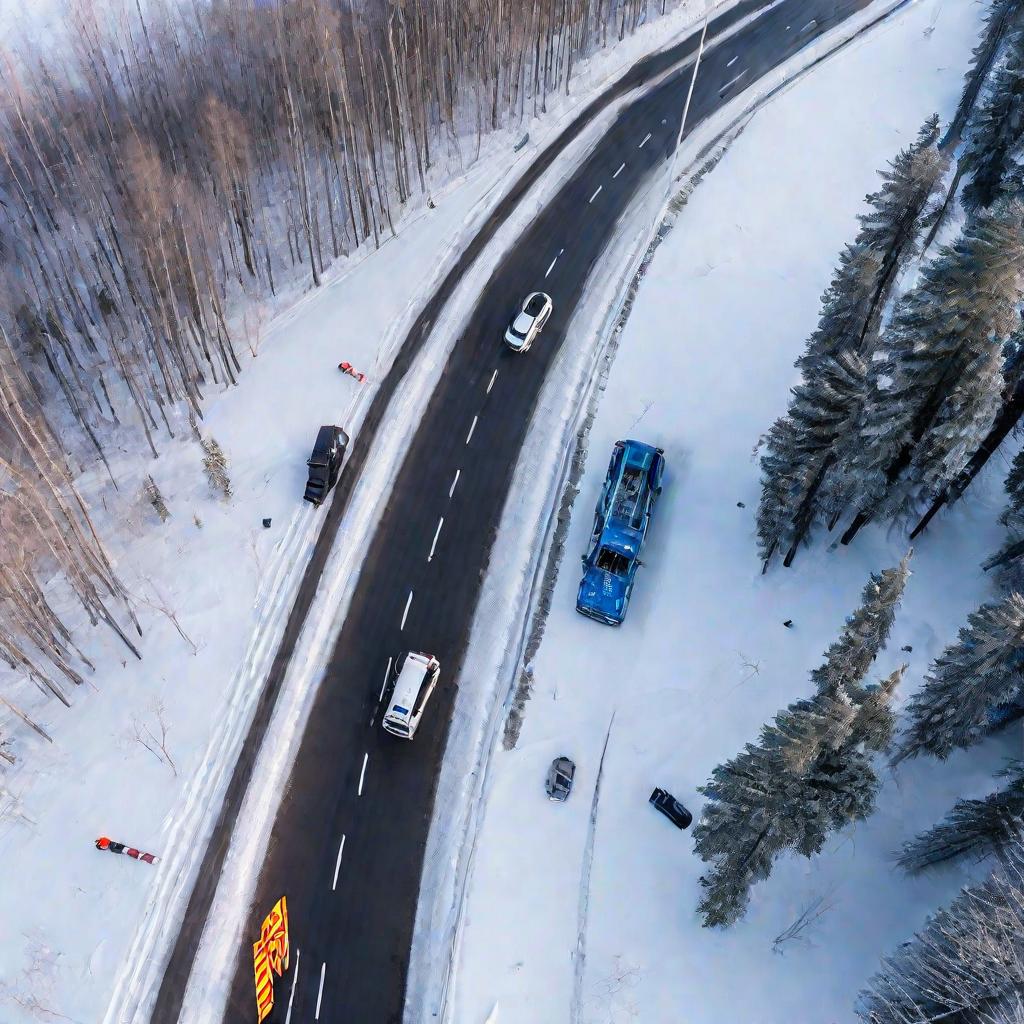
703 660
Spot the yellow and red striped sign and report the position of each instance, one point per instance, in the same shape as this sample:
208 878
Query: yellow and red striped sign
270 956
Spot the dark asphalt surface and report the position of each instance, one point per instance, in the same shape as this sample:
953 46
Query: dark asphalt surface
357 934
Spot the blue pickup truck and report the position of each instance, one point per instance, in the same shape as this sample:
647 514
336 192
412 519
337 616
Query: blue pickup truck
623 514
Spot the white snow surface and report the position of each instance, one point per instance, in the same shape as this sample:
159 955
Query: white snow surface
703 367
90 930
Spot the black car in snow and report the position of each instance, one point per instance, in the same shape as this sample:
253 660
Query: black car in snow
558 784
325 463
665 802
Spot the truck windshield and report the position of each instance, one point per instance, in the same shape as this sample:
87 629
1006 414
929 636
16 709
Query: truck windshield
613 562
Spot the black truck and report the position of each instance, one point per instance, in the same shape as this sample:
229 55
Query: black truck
325 463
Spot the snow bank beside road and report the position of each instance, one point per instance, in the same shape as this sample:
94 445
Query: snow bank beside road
703 367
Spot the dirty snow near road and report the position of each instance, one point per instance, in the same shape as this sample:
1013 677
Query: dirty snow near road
703 660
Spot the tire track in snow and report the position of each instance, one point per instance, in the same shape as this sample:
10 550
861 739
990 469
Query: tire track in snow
584 901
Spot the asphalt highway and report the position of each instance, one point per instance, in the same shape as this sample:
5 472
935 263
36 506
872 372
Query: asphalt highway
348 841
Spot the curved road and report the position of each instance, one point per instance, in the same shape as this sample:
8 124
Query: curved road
348 841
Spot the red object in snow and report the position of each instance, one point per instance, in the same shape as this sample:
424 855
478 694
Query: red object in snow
103 843
351 371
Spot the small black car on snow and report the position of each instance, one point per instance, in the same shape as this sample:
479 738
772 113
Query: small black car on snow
558 784
325 463
671 808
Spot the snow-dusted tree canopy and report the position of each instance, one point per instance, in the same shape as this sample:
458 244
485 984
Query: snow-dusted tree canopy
811 771
802 480
969 682
973 828
964 965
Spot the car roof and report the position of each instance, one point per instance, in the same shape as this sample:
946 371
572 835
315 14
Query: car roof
407 685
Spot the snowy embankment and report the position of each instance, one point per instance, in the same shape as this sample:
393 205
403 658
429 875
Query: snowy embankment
214 588
703 367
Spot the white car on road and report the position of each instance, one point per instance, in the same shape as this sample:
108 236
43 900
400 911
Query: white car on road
529 322
412 681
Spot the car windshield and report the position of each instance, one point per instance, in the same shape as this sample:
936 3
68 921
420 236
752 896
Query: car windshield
534 305
612 561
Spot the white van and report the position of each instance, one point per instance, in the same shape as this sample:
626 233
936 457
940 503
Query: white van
413 680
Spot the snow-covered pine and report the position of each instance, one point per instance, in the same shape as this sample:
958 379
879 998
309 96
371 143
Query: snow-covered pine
798 476
811 771
1002 17
965 965
936 382
798 451
975 827
995 129
865 633
215 465
152 494
897 211
810 774
845 306
852 304
1009 559
969 682
741 830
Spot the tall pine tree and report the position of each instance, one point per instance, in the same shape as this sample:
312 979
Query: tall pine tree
800 449
810 774
811 771
865 634
970 683
995 129
974 827
964 966
1009 560
936 383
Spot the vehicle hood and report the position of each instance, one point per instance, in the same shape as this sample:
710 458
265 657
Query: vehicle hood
623 539
602 591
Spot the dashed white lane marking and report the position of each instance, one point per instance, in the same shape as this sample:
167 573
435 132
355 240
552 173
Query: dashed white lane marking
295 979
494 376
472 427
362 774
384 685
728 85
810 24
405 614
451 490
595 195
733 61
551 265
320 993
646 139
619 171
337 864
437 533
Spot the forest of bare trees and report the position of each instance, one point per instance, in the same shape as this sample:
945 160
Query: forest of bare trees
171 163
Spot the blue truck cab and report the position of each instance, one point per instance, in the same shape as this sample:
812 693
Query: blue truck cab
623 514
